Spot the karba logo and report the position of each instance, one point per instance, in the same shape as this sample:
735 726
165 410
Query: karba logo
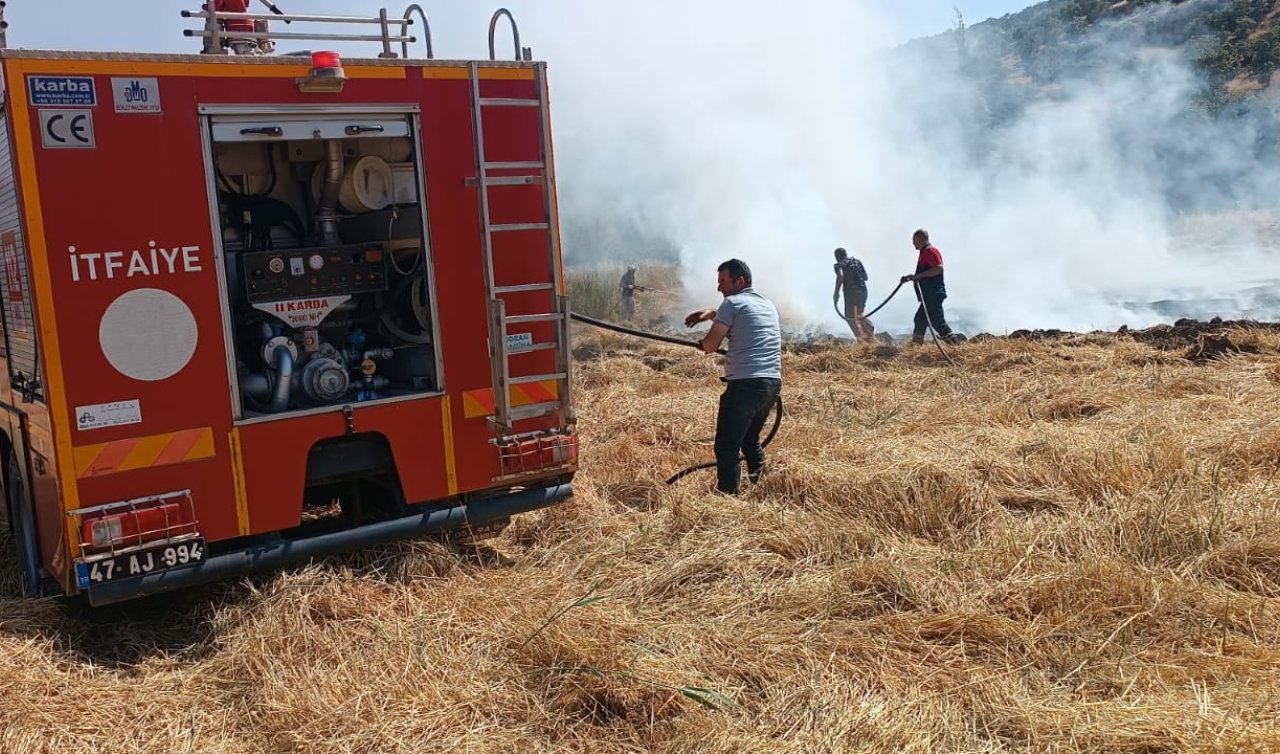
62 86
302 306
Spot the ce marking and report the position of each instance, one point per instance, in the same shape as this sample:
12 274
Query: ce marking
67 129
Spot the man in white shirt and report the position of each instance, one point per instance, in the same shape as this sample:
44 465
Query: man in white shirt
752 371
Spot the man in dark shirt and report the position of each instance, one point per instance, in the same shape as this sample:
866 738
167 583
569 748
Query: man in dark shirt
931 290
627 288
851 277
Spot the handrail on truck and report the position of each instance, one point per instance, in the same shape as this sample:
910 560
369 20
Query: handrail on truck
522 53
216 37
426 31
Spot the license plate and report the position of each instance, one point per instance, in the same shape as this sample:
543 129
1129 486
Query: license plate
141 562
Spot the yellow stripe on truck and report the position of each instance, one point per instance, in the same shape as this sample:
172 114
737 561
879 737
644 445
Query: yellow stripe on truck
450 457
143 452
477 403
242 495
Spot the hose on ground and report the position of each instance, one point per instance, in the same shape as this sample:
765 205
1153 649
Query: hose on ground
937 341
777 422
777 407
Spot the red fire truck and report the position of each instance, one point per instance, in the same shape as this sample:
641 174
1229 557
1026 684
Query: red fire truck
262 308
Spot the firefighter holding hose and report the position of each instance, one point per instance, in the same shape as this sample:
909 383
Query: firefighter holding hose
931 290
752 371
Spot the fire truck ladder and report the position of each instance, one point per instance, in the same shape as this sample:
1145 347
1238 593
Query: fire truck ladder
500 353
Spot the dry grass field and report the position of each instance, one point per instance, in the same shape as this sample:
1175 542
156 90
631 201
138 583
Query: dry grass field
1062 545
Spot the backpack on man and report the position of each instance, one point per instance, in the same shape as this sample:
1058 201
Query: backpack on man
854 272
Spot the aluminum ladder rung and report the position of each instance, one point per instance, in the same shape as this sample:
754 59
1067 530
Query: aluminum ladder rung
538 378
534 410
512 227
513 180
521 319
509 102
523 288
518 165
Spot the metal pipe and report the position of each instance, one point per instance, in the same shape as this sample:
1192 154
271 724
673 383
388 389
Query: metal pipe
284 379
256 385
426 30
386 35
493 26
290 17
212 34
284 552
276 10
300 35
327 212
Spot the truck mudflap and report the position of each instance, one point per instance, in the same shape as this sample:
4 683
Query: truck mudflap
237 563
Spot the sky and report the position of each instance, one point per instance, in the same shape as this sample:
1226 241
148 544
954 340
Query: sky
155 26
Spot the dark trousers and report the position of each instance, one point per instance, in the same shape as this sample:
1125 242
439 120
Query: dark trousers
744 408
933 306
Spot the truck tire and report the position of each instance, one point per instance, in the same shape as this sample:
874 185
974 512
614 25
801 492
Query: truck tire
21 527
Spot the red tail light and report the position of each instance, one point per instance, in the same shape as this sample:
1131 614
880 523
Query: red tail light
534 454
136 526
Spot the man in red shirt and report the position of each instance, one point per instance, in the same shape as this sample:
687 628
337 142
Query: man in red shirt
931 290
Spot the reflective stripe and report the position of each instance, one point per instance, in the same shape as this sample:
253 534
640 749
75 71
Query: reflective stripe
478 403
144 452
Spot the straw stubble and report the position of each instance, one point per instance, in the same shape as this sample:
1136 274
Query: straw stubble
1068 545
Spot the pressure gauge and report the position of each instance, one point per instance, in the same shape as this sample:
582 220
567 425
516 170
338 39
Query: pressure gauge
315 262
276 265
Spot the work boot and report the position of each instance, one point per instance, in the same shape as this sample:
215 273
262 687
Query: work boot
917 340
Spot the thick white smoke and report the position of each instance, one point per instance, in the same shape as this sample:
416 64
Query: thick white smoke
719 131
701 130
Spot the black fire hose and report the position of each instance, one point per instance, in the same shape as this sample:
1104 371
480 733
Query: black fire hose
777 422
777 407
600 323
867 315
936 340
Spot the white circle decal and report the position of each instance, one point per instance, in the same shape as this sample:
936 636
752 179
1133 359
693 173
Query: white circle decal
148 334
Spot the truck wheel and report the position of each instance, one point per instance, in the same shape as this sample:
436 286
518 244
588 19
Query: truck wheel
21 527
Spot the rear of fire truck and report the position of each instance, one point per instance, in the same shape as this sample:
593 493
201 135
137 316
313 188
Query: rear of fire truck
262 308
